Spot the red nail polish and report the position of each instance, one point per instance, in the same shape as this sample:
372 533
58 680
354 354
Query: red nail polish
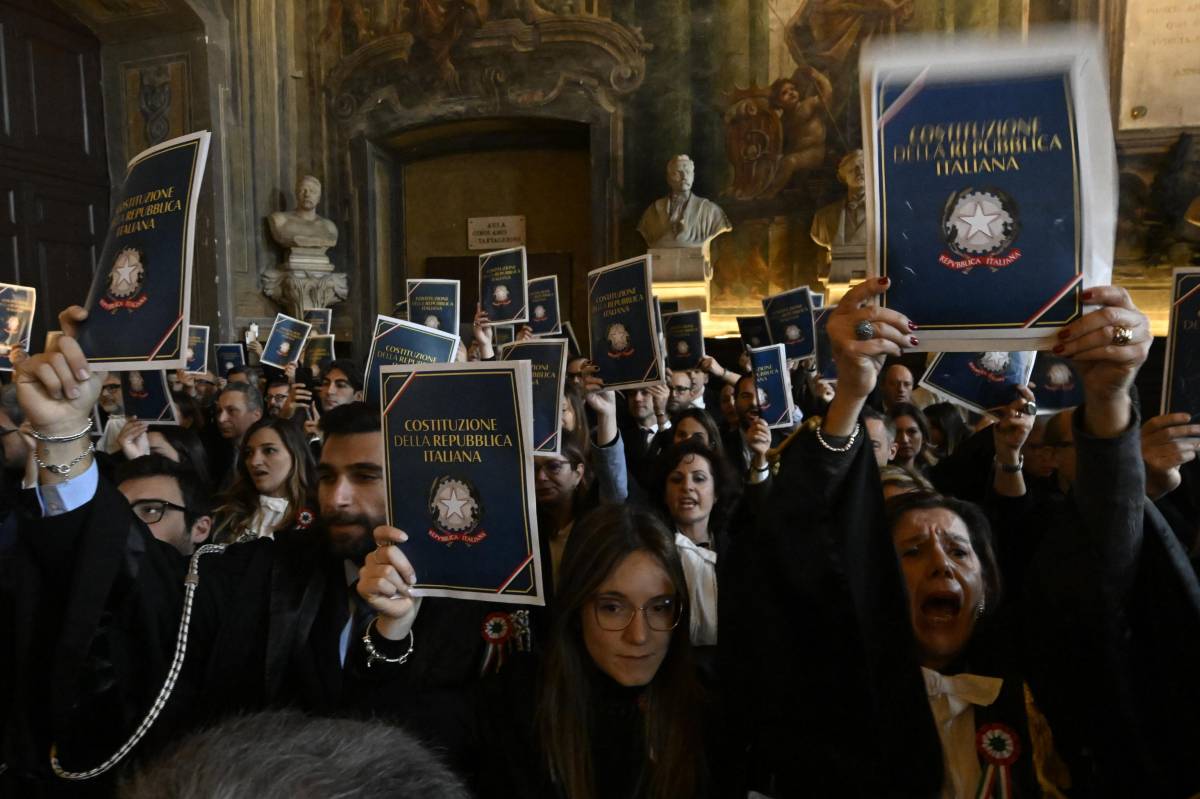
912 325
1064 333
913 339
883 281
1087 295
1059 348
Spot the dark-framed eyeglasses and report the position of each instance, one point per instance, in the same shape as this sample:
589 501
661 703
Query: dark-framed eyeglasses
152 510
661 613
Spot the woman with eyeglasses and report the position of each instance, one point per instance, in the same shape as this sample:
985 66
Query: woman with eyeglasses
273 490
615 710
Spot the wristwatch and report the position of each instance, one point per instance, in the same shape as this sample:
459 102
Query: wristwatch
1009 468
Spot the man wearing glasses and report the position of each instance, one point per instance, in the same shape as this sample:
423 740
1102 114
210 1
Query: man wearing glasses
169 498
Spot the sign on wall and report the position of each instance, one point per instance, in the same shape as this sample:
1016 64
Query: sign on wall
495 232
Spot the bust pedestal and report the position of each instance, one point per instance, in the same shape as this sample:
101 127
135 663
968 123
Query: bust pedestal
296 288
682 274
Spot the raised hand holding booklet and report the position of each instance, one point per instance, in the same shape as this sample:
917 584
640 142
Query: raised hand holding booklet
989 185
229 357
433 303
773 383
147 396
789 319
1181 375
621 325
548 363
399 342
543 306
753 331
197 349
140 300
318 349
459 473
285 341
502 286
684 335
979 381
1056 384
321 320
17 304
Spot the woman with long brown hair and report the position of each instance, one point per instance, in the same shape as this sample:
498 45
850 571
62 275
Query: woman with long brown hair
273 490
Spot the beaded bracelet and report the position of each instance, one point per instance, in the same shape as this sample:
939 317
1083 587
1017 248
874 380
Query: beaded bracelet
845 447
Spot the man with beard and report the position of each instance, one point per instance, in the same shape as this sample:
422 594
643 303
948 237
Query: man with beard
746 446
104 627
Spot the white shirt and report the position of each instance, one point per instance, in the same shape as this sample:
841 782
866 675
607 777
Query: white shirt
953 700
268 517
700 571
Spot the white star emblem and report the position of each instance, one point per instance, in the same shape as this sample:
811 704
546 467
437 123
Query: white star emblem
453 504
124 275
979 222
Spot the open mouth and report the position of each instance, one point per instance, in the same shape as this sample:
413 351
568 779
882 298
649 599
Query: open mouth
941 607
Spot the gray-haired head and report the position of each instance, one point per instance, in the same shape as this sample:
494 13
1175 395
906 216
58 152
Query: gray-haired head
287 755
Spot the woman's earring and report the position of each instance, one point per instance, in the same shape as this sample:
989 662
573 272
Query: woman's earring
979 610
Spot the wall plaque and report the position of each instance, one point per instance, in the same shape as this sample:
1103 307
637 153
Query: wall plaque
495 232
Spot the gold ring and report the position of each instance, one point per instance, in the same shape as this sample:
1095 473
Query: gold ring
1122 335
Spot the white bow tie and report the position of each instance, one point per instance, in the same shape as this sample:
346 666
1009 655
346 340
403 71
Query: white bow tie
962 690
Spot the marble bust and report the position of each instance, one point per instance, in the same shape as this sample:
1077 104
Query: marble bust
304 229
840 227
682 219
306 280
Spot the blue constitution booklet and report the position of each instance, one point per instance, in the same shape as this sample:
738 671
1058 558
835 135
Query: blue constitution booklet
459 472
979 381
321 320
826 365
502 286
1056 384
197 349
17 304
399 342
1181 375
774 384
790 321
989 185
229 356
548 363
140 299
433 303
753 331
319 349
285 341
685 339
147 396
543 306
621 325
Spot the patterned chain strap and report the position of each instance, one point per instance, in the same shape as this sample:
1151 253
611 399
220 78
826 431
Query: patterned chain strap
190 584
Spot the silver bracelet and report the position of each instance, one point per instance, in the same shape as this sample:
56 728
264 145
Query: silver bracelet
375 656
61 439
845 447
63 469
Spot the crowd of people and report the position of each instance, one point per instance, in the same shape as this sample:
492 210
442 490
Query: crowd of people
892 598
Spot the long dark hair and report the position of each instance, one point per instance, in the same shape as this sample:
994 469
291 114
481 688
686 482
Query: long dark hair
725 484
946 418
240 502
922 458
674 761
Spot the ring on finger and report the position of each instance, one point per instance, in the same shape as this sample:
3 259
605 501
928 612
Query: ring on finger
864 330
1122 335
1029 409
